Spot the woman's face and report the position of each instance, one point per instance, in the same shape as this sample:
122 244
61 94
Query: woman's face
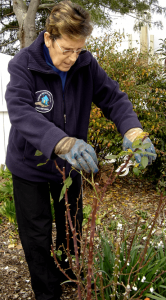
63 62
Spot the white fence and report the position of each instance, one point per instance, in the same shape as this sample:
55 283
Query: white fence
4 118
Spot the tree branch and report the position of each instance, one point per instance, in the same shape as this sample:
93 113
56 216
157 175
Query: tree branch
6 44
49 5
9 28
32 10
8 15
20 10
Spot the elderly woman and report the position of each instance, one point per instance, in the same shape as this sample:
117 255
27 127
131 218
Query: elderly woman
53 83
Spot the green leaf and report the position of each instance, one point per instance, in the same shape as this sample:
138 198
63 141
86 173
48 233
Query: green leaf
136 171
159 297
58 252
62 192
149 153
38 153
139 151
122 153
41 164
144 161
111 157
145 153
98 221
67 183
146 146
162 286
137 144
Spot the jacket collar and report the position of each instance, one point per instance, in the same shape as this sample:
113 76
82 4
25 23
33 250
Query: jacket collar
37 61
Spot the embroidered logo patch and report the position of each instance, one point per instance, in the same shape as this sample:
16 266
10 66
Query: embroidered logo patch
44 102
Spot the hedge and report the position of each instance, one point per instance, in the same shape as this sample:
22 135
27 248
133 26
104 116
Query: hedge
142 78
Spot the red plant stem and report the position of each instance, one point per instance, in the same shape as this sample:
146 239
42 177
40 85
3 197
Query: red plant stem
73 230
154 221
95 288
101 289
91 244
52 250
58 167
67 237
67 227
85 243
128 256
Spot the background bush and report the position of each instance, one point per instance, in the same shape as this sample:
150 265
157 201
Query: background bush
7 206
142 78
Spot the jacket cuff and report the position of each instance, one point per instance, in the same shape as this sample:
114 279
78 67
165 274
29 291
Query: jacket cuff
50 139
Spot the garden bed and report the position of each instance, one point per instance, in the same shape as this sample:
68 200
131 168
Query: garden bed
127 199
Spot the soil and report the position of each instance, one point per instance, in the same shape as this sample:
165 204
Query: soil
127 198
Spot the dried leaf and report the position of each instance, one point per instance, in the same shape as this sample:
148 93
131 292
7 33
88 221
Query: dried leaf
11 246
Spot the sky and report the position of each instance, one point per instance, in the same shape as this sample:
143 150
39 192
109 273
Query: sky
126 23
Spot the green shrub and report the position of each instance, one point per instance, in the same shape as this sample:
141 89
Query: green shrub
146 87
7 208
6 185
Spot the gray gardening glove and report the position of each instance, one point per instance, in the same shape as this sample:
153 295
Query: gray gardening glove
78 153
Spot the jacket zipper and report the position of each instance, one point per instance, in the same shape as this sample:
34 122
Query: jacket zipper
65 118
64 109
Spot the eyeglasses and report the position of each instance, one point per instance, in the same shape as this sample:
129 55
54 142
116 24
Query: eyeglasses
69 52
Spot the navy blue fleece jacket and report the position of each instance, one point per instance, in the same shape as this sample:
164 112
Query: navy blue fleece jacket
40 117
